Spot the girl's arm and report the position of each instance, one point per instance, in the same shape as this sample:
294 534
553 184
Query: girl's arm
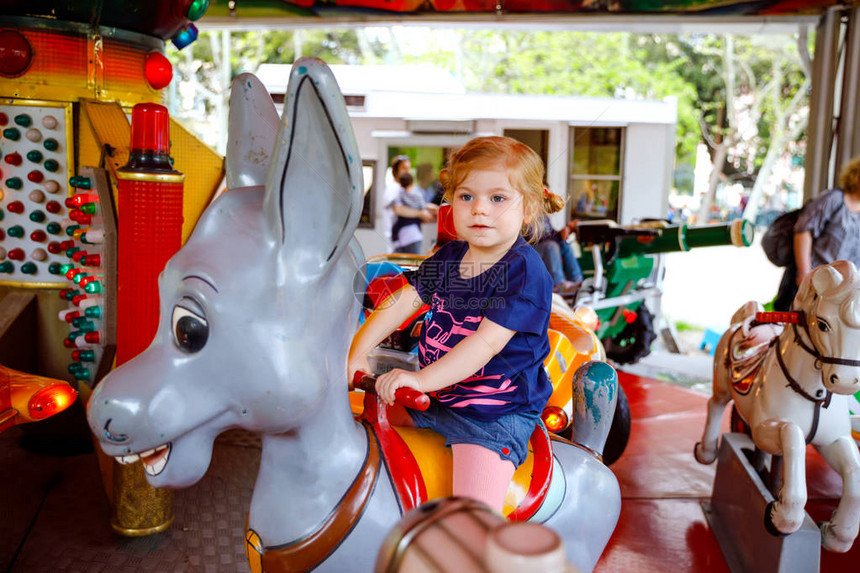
389 315
802 253
467 357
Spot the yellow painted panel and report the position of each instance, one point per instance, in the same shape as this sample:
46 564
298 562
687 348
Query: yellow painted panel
110 126
203 168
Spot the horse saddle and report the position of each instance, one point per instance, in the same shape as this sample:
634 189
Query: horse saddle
743 364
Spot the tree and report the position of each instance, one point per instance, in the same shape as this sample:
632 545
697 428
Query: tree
205 74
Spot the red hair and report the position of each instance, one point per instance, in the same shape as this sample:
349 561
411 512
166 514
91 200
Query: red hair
525 169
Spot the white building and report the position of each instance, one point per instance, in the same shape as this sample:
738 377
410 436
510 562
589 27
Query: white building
610 158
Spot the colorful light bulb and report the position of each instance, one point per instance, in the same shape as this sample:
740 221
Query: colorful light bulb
93 337
90 208
80 198
93 311
94 260
81 182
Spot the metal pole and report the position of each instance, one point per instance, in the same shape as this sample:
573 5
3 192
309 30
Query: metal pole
848 136
819 138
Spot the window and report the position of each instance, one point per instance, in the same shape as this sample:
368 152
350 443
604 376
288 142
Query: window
368 171
594 188
537 139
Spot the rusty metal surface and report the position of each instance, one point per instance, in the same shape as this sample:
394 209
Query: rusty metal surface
63 499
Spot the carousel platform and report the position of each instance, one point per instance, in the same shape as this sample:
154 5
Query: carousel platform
54 515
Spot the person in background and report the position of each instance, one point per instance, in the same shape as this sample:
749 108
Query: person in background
559 258
411 210
399 165
827 230
429 183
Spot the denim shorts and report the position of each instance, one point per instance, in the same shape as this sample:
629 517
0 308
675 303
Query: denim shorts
508 435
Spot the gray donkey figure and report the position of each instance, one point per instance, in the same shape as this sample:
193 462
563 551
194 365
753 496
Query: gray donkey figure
257 314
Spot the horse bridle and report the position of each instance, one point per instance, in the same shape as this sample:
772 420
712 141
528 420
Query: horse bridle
813 351
801 320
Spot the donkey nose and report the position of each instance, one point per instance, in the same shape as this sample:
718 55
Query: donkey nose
834 379
110 436
110 420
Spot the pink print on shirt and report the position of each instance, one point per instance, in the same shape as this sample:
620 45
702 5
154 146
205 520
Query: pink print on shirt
442 331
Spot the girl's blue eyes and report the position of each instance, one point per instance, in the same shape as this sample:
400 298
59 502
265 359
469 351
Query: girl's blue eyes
494 198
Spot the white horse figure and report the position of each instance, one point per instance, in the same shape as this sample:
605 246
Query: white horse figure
258 310
797 393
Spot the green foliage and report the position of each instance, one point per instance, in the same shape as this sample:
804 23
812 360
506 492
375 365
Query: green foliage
690 68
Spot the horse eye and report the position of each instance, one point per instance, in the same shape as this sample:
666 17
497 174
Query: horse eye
190 330
822 325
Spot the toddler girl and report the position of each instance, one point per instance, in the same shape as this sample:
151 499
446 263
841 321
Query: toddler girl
484 338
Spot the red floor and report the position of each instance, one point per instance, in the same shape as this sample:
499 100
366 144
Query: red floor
662 526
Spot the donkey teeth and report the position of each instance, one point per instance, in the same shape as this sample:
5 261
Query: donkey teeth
126 460
131 458
155 467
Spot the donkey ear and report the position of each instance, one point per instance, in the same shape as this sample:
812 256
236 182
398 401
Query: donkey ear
251 132
314 187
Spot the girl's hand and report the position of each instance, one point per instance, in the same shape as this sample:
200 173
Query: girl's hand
389 382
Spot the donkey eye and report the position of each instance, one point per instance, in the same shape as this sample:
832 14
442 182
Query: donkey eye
190 330
822 324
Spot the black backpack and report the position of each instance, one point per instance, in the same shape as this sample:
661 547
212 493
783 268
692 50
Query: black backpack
778 241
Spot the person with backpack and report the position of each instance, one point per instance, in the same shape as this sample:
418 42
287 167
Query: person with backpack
827 230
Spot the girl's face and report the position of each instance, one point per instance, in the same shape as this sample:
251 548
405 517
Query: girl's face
488 213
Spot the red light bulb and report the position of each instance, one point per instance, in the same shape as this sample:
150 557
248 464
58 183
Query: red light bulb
157 70
15 53
51 400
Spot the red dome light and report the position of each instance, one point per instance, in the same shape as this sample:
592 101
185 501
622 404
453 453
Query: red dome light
554 418
157 70
15 53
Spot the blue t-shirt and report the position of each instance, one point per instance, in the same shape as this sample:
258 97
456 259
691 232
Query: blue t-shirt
515 292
